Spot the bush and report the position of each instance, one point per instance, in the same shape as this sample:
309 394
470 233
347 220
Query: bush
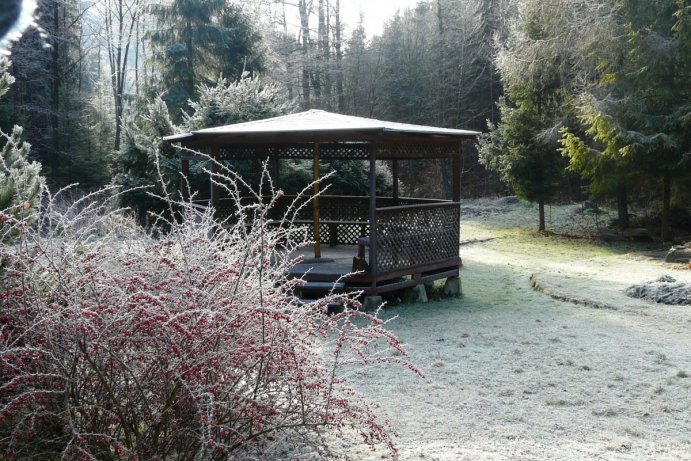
189 345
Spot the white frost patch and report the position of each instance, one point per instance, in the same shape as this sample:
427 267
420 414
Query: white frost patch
665 290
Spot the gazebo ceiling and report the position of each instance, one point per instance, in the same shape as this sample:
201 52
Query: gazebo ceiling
318 124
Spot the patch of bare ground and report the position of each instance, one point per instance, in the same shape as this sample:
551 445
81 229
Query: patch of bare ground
513 373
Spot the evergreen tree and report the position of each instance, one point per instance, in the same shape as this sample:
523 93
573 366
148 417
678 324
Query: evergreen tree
227 102
514 148
52 98
636 112
196 41
535 68
140 158
249 98
21 183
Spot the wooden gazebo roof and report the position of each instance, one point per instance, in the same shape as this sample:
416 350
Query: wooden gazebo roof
316 125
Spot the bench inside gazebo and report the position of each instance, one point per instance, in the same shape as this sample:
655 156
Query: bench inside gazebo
393 242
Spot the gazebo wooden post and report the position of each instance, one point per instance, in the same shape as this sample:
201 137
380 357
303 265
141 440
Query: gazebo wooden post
185 179
214 197
457 166
315 201
373 212
452 285
277 169
394 173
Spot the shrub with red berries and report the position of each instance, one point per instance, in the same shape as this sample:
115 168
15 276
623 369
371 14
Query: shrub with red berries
182 342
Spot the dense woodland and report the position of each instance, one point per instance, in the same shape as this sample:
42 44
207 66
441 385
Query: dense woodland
578 99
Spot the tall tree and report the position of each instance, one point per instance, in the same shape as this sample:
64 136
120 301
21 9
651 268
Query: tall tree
361 63
227 102
53 94
536 70
135 165
646 134
198 40
338 44
120 19
304 8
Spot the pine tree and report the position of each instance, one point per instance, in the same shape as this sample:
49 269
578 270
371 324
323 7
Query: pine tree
196 41
21 183
142 155
535 68
636 112
227 102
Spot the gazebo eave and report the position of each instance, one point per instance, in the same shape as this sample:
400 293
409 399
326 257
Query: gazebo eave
213 141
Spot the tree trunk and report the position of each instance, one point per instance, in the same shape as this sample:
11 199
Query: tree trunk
305 34
189 81
666 199
55 94
136 60
441 62
622 205
339 60
541 208
328 74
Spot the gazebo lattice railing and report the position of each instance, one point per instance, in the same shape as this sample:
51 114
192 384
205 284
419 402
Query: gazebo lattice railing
406 241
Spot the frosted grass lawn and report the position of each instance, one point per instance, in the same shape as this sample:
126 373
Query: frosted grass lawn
513 373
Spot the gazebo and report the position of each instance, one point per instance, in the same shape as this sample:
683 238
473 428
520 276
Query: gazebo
369 243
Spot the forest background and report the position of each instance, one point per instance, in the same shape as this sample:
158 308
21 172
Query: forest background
578 99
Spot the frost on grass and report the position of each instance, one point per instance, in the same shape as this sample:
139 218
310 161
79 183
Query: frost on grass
183 342
665 290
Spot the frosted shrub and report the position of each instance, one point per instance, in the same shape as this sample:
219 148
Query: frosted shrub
20 180
184 343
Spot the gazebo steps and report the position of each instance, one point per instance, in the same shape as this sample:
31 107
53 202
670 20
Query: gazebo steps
318 288
322 286
309 291
331 308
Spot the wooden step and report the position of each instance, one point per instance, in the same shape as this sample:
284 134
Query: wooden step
331 308
322 286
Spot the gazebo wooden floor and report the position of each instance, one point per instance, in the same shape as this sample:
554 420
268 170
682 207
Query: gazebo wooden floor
334 271
335 262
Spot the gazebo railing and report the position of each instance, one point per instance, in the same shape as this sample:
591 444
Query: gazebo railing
414 236
344 219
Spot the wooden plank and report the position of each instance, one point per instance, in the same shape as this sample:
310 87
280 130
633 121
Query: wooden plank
322 286
394 173
418 206
327 221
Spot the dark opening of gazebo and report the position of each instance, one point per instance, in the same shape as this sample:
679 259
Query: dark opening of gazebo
393 241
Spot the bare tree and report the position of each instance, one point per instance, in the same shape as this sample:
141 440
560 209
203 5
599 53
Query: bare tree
338 29
120 20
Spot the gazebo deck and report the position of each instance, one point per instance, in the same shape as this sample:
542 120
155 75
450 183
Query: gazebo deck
336 264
